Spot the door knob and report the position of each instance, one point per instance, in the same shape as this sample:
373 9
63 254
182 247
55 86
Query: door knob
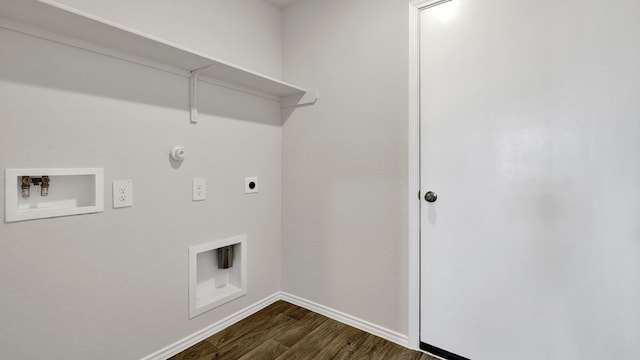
430 196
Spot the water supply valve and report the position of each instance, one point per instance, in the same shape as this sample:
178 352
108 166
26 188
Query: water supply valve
27 181
26 185
44 188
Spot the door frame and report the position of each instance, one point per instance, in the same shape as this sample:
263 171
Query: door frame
414 200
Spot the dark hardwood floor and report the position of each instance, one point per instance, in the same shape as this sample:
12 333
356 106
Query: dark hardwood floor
283 331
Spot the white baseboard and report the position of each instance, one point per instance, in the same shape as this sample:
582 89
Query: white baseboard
363 325
200 335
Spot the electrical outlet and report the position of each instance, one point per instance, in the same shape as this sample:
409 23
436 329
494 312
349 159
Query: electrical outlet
122 193
199 189
250 185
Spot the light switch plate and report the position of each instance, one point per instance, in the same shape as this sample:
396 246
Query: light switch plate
122 193
199 189
250 185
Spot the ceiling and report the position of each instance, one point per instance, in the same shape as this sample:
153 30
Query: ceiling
281 3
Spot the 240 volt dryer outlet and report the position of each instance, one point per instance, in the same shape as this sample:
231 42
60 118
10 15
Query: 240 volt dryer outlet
250 185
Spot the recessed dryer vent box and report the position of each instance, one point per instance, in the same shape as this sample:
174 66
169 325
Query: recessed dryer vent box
45 193
214 280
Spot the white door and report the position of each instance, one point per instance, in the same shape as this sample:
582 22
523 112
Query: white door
530 137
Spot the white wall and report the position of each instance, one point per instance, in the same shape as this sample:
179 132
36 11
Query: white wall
113 285
344 159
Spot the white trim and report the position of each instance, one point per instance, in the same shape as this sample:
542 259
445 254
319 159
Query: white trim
238 288
14 213
358 323
420 5
415 7
413 246
200 335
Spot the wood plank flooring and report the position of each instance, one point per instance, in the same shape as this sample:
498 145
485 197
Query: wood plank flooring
283 331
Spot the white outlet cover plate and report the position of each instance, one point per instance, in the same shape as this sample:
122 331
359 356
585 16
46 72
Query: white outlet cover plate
248 189
122 193
199 189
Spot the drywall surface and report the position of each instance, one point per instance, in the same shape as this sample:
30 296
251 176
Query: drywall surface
247 33
344 159
113 285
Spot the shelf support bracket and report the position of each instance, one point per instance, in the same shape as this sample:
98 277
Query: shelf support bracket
193 92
